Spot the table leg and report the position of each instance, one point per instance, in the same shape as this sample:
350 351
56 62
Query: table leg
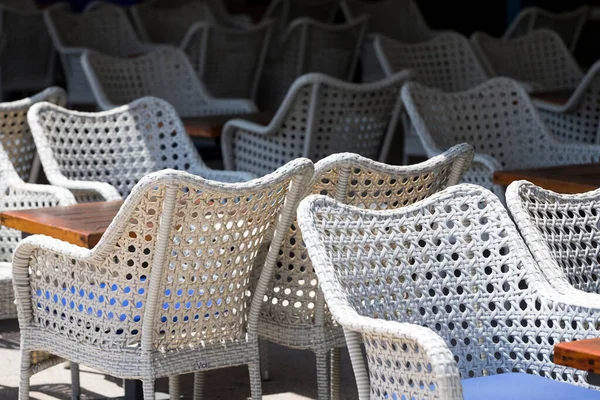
133 390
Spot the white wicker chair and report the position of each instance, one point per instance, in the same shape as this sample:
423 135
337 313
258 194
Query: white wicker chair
320 116
561 230
164 72
538 59
102 27
310 46
164 292
17 195
229 61
103 155
446 62
169 25
15 135
28 57
286 11
294 313
567 25
499 120
578 120
455 266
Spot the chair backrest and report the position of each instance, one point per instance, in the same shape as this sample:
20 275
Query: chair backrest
119 146
103 27
562 230
229 61
286 11
446 62
497 118
453 262
397 19
15 134
292 297
311 46
539 59
321 116
185 249
169 25
164 72
567 25
20 5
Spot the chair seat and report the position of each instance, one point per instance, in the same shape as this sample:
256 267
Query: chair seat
5 271
519 386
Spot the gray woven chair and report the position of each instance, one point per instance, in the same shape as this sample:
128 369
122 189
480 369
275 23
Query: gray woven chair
164 72
561 231
310 46
28 57
286 11
446 62
320 116
441 290
101 156
578 120
164 293
538 59
499 120
102 27
294 313
568 25
229 61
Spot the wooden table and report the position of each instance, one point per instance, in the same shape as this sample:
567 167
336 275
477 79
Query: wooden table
211 127
79 224
569 179
581 354
555 98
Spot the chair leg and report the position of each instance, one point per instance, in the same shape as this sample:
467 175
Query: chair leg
323 387
24 379
148 387
198 385
264 359
174 390
335 373
255 382
75 387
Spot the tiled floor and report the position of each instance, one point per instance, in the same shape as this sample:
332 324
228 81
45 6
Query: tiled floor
292 377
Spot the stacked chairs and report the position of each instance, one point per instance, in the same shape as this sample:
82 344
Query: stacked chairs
294 313
447 299
101 27
137 306
567 25
164 72
499 120
229 61
310 46
320 116
539 60
101 156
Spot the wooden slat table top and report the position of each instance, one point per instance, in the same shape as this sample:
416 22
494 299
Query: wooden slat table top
568 179
581 354
557 97
211 127
79 224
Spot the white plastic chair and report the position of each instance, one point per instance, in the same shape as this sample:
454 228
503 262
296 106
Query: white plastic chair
568 25
101 156
539 60
319 116
310 46
102 27
164 293
499 120
294 313
229 61
164 72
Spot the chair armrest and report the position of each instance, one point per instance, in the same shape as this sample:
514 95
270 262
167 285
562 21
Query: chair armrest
103 189
222 176
229 106
39 193
572 153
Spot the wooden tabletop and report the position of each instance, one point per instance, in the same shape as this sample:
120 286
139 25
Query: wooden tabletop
581 354
211 127
569 179
79 224
557 97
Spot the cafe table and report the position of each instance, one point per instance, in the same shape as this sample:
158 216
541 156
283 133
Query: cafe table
551 99
580 354
79 224
569 179
210 127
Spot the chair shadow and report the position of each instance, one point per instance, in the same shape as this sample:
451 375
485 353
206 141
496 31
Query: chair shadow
58 390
